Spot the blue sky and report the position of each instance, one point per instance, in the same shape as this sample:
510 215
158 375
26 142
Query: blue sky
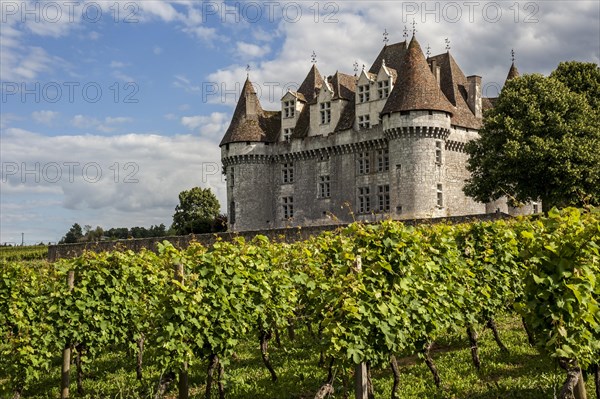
110 108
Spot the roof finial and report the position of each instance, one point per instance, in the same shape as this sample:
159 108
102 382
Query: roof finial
405 34
355 67
447 44
428 50
313 57
248 71
512 55
383 62
385 37
414 24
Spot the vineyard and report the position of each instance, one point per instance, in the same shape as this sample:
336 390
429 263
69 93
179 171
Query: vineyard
382 295
25 253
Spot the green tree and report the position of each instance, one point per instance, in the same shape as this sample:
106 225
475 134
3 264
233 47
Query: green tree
197 210
75 234
582 78
540 141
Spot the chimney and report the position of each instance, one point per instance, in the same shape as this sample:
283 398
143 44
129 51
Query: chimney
474 92
435 69
251 108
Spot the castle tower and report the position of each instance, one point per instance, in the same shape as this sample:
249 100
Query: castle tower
513 72
417 121
245 154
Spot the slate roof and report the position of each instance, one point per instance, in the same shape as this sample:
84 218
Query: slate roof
311 85
454 85
343 85
346 117
302 124
488 103
416 87
393 55
513 72
258 126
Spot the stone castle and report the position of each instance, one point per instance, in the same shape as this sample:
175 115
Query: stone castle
385 143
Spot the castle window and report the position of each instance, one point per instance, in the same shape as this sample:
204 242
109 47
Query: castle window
287 172
438 152
363 93
324 187
232 212
288 109
364 122
535 207
325 112
383 198
287 204
383 89
364 166
287 134
383 160
364 201
440 196
232 178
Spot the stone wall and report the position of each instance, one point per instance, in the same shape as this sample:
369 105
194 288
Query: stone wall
292 234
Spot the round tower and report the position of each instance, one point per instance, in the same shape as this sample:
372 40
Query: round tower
246 158
416 122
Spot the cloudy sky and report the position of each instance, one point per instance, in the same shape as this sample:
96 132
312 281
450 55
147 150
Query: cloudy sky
110 108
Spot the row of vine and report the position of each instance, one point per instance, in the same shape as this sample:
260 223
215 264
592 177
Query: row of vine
367 292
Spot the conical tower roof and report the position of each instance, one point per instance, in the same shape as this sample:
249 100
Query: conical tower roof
512 73
312 82
416 87
246 121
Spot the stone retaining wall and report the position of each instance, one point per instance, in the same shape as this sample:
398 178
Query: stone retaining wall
291 234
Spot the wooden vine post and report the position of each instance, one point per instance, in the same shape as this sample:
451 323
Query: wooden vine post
361 380
183 373
66 363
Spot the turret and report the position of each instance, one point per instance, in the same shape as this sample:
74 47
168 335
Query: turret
416 121
513 72
246 157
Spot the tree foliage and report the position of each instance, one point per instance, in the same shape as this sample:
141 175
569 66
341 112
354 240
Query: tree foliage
582 78
196 212
74 234
540 141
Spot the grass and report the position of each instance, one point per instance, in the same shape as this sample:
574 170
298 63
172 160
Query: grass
521 374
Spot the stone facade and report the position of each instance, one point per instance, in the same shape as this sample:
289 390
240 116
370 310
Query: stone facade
388 143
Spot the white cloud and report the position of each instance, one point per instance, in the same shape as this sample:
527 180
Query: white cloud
249 50
212 126
122 76
202 33
157 50
92 123
44 117
118 119
182 82
141 176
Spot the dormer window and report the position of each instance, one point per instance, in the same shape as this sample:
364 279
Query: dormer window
364 122
363 93
289 109
383 89
287 134
325 112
